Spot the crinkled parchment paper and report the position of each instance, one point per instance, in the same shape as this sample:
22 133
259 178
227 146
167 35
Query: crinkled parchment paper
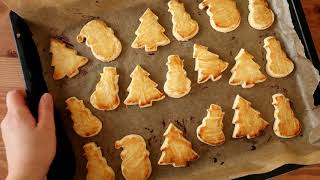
233 159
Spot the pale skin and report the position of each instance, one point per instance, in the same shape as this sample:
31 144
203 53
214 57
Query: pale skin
30 145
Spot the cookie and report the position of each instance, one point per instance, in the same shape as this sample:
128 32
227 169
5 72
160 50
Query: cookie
208 64
286 125
246 72
184 27
177 84
142 90
278 64
224 14
85 124
150 34
65 60
176 150
135 157
248 121
101 39
97 166
105 97
211 130
261 17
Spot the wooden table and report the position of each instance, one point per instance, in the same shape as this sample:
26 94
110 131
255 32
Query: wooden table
11 78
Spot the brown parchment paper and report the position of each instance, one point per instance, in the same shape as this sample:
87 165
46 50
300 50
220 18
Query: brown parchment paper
233 159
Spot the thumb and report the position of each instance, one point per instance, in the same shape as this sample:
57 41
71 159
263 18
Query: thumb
46 112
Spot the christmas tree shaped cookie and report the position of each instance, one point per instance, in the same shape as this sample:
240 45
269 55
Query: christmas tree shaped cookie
246 72
278 64
104 45
135 157
150 34
85 124
224 15
105 97
261 17
248 121
286 125
208 64
177 84
65 61
142 90
184 27
176 150
211 129
97 166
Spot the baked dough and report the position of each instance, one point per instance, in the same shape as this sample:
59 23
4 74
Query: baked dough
208 64
105 97
176 150
224 15
104 45
65 61
211 130
177 84
142 90
97 166
184 27
135 164
278 64
150 34
248 121
246 72
286 125
261 17
85 124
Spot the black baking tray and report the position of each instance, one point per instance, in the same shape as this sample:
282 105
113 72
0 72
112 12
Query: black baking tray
63 165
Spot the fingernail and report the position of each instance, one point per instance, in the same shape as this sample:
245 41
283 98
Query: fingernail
47 98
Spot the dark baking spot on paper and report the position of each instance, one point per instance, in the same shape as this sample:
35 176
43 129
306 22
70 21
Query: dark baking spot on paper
83 72
163 124
205 87
151 140
43 50
12 53
191 118
97 1
215 160
182 126
151 54
222 163
253 147
233 38
301 135
230 53
148 129
199 14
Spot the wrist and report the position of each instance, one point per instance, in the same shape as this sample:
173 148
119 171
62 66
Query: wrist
24 176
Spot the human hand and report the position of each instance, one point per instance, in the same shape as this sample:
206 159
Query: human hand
30 146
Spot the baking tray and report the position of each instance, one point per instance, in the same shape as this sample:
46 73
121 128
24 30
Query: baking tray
63 165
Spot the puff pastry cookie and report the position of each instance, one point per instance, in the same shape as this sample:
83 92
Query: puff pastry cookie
278 64
135 164
248 121
105 97
224 15
142 90
246 72
65 61
208 64
85 124
184 27
211 130
104 45
286 125
97 166
176 150
177 84
261 17
150 34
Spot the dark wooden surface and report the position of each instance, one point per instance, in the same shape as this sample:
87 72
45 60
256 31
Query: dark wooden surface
11 78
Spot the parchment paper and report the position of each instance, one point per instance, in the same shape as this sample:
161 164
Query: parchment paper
233 159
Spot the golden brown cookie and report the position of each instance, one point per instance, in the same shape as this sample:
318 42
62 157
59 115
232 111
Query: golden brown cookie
105 97
150 34
261 17
184 27
85 124
286 125
177 84
97 166
104 45
65 61
135 157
